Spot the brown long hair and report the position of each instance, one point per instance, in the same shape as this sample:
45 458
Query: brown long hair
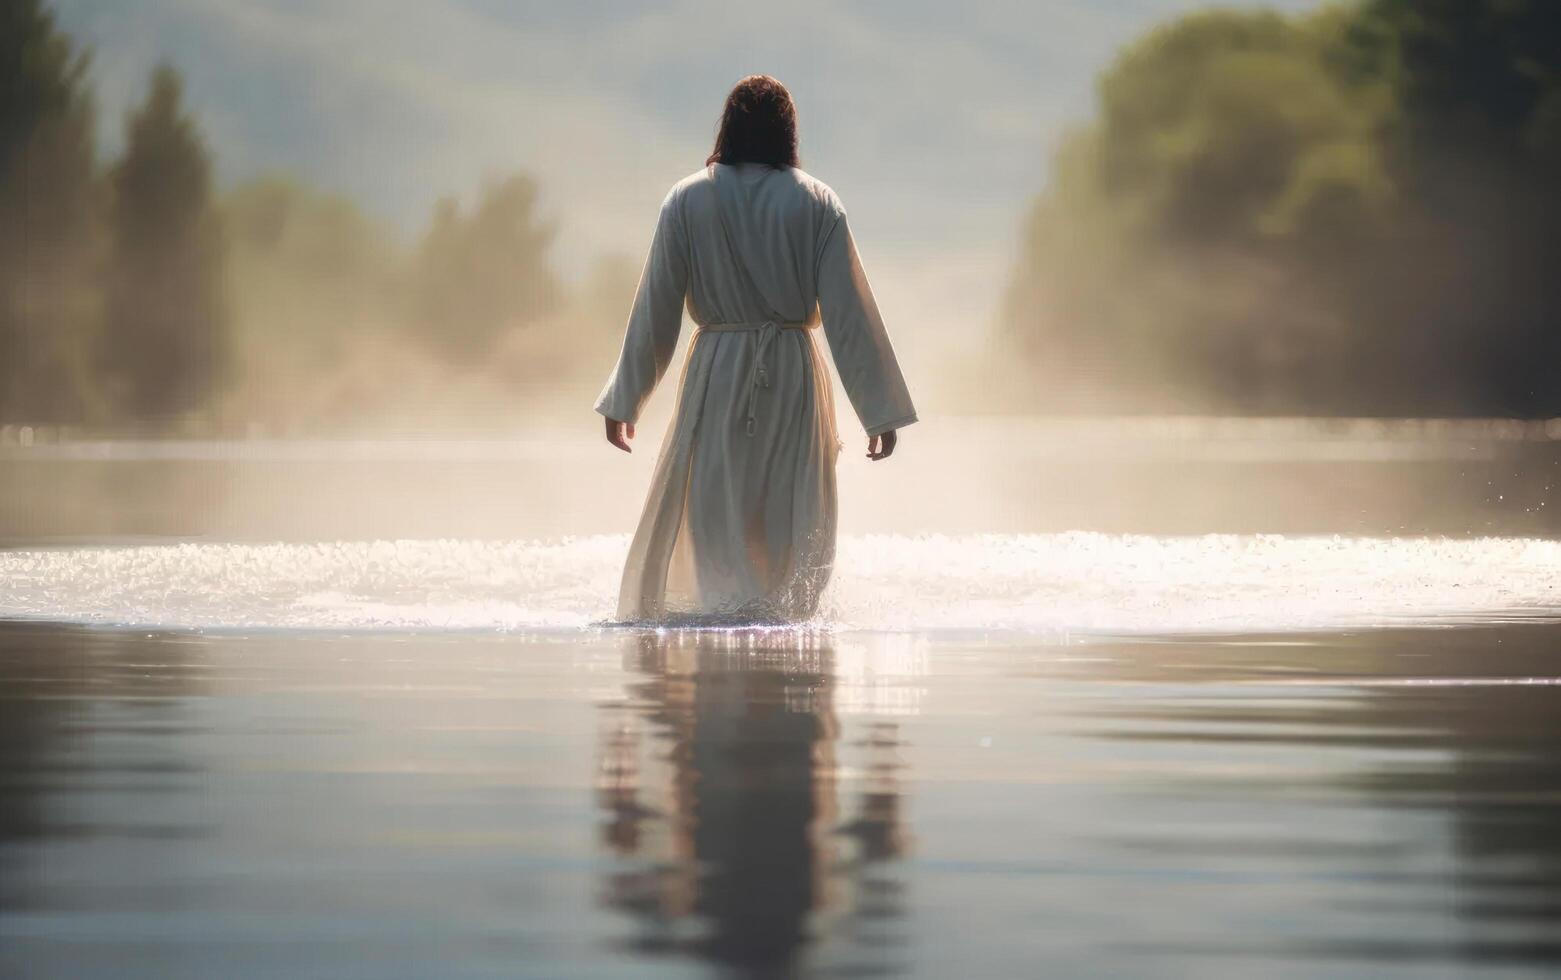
758 125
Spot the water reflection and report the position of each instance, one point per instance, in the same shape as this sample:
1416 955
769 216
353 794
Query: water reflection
94 750
721 788
1337 804
1456 730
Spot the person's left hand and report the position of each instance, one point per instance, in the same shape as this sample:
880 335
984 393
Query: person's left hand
619 434
882 446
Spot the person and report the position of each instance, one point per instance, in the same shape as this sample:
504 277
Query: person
739 523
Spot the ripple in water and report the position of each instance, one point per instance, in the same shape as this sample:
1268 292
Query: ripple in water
1048 583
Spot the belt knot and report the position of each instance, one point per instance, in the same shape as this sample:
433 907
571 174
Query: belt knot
758 373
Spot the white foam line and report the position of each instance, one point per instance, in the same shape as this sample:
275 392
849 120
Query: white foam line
1078 583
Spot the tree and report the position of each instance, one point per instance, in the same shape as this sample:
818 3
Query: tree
307 270
48 209
482 274
1183 236
1351 211
165 349
1477 146
313 282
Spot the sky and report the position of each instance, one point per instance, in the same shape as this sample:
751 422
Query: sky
932 120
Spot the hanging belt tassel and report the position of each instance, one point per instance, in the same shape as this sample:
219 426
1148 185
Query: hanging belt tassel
758 373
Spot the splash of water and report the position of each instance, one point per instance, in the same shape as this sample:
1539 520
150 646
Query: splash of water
1051 583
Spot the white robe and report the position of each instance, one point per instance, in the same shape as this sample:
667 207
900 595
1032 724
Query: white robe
739 524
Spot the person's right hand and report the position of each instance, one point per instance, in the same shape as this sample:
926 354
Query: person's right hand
619 434
882 446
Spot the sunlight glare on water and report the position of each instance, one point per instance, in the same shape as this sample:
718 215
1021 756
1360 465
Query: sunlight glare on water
1040 583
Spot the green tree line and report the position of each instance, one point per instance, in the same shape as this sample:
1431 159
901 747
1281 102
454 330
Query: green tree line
131 291
1354 211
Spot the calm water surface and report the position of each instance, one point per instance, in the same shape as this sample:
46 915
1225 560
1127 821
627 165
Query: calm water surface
612 803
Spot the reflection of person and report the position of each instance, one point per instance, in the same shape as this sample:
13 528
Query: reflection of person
741 832
740 520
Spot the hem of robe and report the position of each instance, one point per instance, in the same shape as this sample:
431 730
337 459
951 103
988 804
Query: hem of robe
819 550
642 594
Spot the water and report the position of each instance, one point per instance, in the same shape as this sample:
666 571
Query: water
1040 584
1345 804
1228 700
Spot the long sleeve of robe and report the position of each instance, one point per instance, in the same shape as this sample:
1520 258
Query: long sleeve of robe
739 523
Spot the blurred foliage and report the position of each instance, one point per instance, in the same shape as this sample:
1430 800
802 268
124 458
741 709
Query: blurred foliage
1348 212
165 345
478 274
312 282
590 319
308 269
132 295
1353 211
49 207
336 322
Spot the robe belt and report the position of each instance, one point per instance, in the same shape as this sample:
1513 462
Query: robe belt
758 377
